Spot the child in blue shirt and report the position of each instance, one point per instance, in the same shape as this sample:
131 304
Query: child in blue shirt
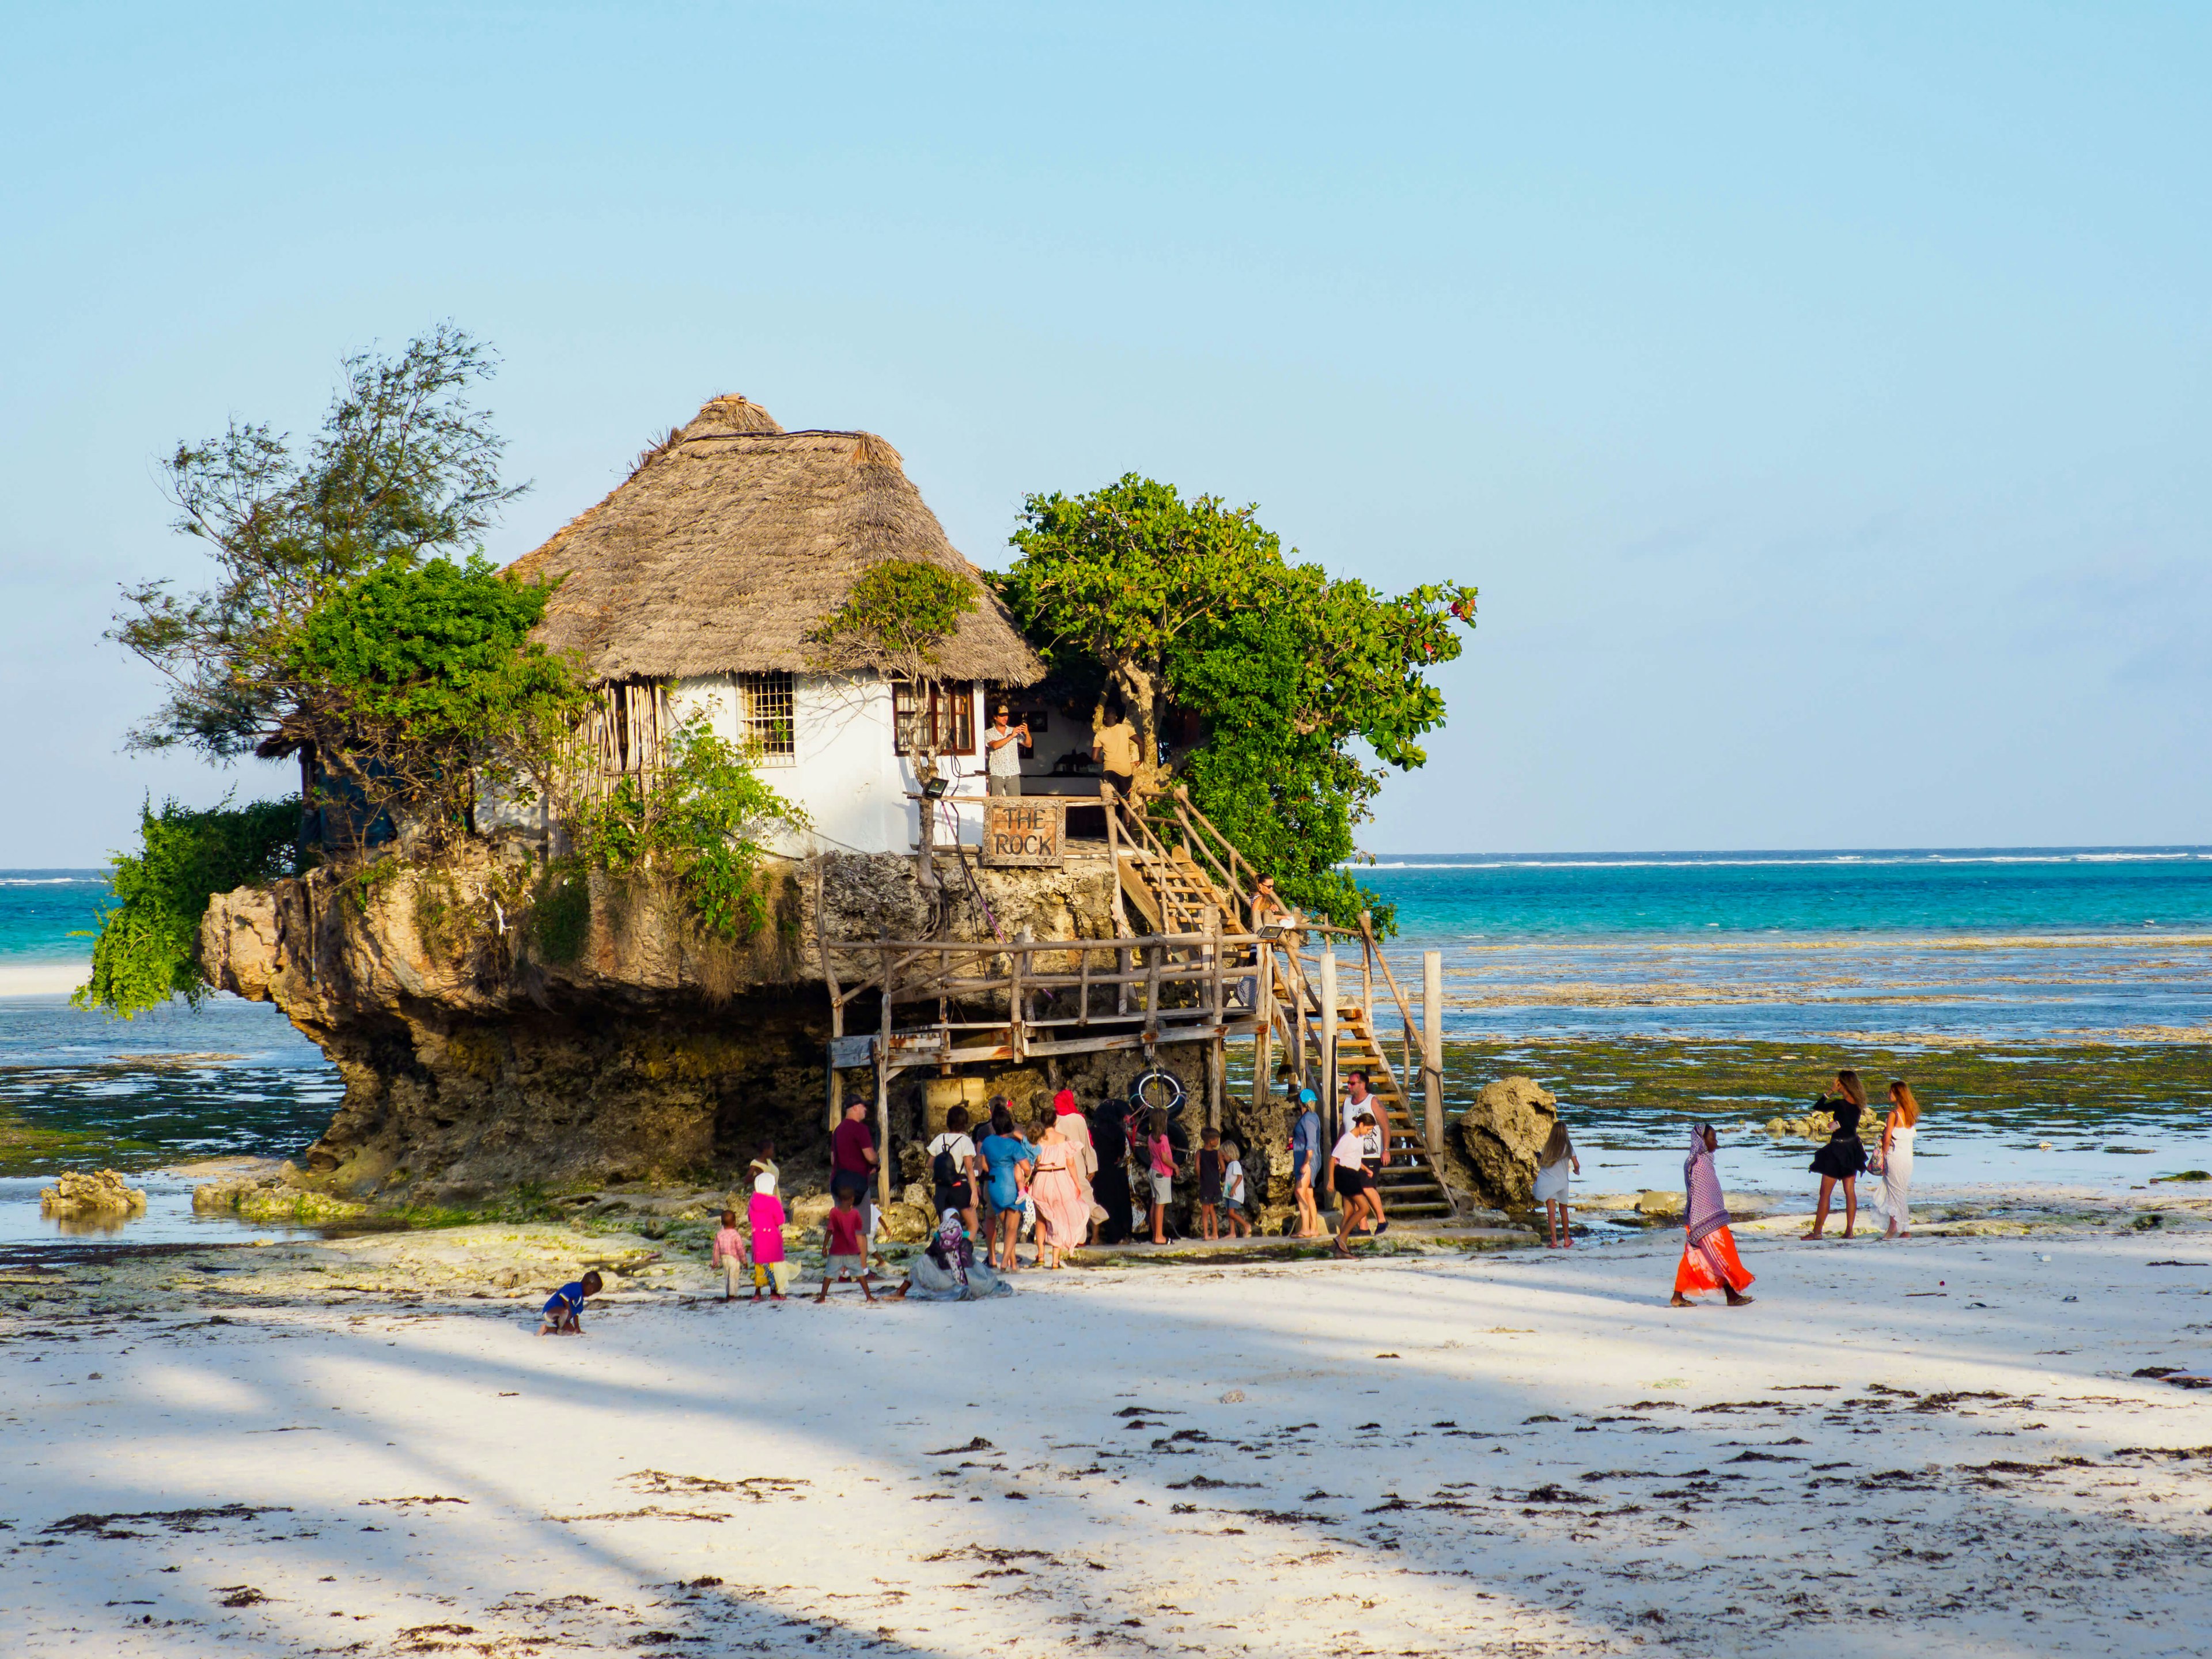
564 1306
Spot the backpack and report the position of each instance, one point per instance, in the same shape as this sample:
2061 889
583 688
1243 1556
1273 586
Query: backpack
942 1170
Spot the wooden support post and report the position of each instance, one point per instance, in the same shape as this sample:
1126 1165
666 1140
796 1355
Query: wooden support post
1367 968
1216 1069
1327 1056
1263 1028
883 1131
1111 802
1432 1055
836 1001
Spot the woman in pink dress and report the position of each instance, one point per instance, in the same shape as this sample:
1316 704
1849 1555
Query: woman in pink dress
1069 1119
1063 1214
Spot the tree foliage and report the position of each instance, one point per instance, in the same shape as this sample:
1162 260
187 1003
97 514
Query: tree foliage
895 618
403 468
420 687
696 821
148 947
1192 607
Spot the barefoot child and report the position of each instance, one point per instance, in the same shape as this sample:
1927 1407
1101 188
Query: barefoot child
1209 1185
1553 1166
728 1255
1232 1190
566 1305
1161 1152
845 1253
764 1220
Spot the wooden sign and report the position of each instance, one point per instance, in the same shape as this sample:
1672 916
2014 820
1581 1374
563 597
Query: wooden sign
1020 831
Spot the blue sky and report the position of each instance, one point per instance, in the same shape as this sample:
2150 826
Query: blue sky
1818 395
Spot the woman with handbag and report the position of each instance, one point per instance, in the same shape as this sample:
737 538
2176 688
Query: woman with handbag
1899 1131
1843 1157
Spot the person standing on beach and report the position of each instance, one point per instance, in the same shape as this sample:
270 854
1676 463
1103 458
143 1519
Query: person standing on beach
1076 1128
1363 1108
1350 1156
1305 1163
1898 1130
852 1154
1843 1157
1110 1186
728 1253
1555 1165
1056 1188
952 1169
764 1221
1709 1259
1160 1154
1008 1158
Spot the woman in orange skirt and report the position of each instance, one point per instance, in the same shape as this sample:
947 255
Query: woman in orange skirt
1708 1258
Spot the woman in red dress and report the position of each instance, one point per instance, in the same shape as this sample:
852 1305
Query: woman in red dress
1708 1258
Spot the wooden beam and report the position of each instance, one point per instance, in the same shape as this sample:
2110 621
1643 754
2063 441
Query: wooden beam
1432 1057
1263 1033
1329 1113
830 979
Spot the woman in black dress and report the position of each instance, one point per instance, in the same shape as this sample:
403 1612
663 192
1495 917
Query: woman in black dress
1109 1188
1843 1158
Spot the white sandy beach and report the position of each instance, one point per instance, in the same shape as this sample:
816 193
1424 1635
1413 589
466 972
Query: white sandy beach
1520 1452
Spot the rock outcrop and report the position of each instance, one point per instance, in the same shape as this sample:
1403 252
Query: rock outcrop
498 1026
77 1196
1491 1148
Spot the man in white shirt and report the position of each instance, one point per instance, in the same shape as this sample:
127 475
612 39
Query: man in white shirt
1002 745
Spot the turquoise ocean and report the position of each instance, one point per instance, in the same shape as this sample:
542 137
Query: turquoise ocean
1831 952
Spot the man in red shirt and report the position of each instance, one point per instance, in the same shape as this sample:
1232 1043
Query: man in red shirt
852 1154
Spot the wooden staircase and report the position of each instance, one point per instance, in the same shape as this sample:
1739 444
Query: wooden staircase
1174 893
1411 1186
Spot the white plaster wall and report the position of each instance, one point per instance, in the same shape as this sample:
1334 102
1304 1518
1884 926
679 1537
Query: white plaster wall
843 771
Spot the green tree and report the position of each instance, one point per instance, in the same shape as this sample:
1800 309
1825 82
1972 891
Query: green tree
1192 607
895 619
696 821
420 688
148 947
403 468
1119 579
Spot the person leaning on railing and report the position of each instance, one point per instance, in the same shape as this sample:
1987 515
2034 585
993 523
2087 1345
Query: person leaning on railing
1114 746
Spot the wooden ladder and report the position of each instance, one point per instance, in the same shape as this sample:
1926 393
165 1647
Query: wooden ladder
1173 895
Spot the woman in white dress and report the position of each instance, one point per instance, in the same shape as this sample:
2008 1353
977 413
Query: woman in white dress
1555 1165
1898 1130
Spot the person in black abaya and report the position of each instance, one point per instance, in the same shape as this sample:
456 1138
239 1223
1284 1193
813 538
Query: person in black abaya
1109 1188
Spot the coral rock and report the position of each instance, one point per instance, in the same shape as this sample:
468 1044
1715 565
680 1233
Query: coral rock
1492 1149
76 1194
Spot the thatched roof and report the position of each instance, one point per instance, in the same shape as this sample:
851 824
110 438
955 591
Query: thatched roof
732 538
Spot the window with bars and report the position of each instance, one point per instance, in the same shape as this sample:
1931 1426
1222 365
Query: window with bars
765 706
945 726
